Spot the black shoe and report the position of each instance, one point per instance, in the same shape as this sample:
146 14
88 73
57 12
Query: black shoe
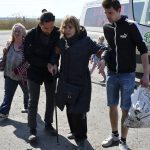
50 129
3 116
81 145
70 136
24 110
32 136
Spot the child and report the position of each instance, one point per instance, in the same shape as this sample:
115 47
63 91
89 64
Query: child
95 58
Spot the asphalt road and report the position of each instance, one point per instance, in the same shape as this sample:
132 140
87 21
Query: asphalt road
14 131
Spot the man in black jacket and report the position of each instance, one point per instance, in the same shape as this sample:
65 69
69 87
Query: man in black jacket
123 37
39 52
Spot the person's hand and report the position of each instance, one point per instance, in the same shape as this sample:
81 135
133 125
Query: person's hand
101 65
144 81
52 69
55 69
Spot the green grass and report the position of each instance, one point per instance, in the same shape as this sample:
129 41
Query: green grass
27 22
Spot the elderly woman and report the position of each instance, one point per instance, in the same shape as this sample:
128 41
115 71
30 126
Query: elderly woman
15 70
74 85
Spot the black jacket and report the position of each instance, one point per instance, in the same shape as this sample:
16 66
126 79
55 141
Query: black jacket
75 54
39 51
123 37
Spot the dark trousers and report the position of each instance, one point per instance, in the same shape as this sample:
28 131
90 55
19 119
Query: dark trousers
10 88
34 92
78 125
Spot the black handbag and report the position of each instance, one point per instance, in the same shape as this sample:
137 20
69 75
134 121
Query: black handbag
67 93
71 93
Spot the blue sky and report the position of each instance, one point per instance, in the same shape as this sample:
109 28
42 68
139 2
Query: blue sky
32 8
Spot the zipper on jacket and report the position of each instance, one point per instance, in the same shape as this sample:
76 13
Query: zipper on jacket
115 41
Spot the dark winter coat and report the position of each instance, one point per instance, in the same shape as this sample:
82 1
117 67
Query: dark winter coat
75 54
38 50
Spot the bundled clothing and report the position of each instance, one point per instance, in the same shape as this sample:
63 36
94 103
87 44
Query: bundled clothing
74 71
75 54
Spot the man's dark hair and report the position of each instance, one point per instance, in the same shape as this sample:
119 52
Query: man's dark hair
47 17
44 10
115 4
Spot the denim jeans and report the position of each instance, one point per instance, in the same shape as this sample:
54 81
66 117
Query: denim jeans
34 92
10 88
120 85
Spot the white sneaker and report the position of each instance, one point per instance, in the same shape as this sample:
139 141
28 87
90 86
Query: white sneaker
123 146
3 116
32 138
111 141
70 136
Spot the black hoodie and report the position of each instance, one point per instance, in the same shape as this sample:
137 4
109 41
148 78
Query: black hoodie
123 37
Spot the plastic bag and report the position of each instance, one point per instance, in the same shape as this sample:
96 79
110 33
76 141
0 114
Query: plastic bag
139 113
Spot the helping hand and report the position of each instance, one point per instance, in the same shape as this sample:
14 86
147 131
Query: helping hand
52 69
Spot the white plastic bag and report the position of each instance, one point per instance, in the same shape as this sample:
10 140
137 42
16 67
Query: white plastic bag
139 113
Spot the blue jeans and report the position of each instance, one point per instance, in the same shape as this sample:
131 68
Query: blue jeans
120 85
10 88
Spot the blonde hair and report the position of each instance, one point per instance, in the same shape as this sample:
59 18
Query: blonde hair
23 30
69 20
